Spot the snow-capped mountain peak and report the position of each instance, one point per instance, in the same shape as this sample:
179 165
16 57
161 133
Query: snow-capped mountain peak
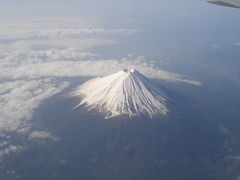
125 92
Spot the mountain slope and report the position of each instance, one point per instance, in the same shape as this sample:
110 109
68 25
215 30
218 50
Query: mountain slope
125 92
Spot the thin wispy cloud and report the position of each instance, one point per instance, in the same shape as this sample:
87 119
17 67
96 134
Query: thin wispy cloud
237 43
57 29
10 150
215 46
38 135
80 44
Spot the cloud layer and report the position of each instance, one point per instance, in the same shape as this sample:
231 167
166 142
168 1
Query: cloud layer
68 63
19 98
55 29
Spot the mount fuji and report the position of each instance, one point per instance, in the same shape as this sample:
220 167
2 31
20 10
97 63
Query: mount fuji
126 92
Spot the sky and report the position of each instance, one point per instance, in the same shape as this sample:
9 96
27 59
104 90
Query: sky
43 42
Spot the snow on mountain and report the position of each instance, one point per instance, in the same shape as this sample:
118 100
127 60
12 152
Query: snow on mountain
125 92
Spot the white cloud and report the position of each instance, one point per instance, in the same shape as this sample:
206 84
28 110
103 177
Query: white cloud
41 135
4 143
18 99
55 54
4 136
55 29
9 34
56 34
78 43
11 149
35 68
